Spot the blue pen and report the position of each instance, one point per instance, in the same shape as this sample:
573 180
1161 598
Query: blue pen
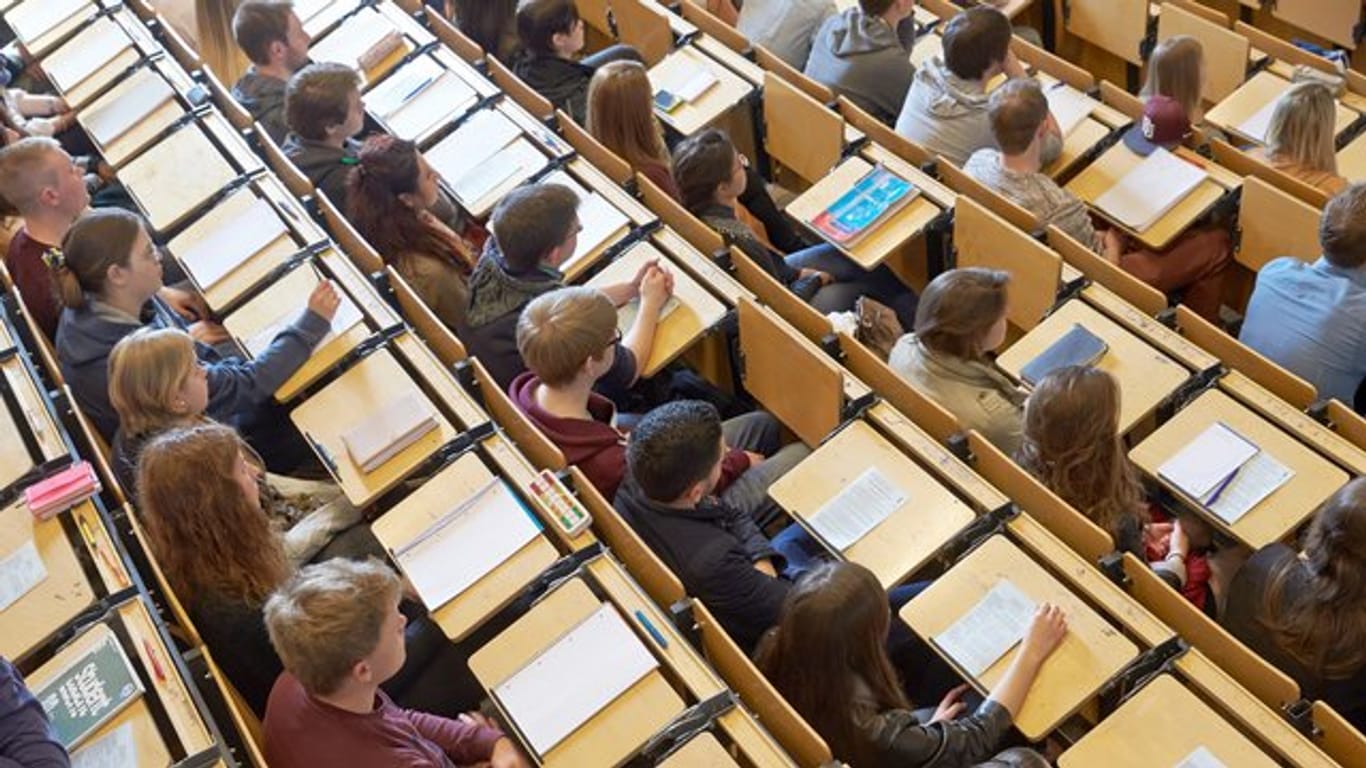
650 627
1219 489
417 90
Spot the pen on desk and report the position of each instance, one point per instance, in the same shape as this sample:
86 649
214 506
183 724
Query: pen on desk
94 544
1219 489
152 657
650 627
417 89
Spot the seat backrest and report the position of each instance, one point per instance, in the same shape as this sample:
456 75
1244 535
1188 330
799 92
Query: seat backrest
294 179
542 452
771 62
883 134
645 27
1272 224
1113 277
877 374
983 239
805 318
1240 357
800 132
1225 51
644 565
680 219
451 36
602 158
525 96
236 114
799 385
1126 103
1348 423
180 49
697 15
1037 58
1243 164
356 247
596 14
1338 738
243 718
434 333
1282 50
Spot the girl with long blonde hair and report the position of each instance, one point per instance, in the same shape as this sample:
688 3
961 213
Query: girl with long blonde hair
621 116
1176 69
1299 138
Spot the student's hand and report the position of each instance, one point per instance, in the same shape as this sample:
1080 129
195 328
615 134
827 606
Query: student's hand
1157 535
1012 66
654 289
475 718
1179 543
765 567
506 755
640 276
951 706
1044 635
825 277
755 459
1113 245
208 332
105 171
324 300
187 304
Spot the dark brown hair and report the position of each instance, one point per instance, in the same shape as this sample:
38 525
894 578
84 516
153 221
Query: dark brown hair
532 220
958 308
1342 229
703 162
1017 109
974 40
100 239
833 634
538 21
258 23
319 96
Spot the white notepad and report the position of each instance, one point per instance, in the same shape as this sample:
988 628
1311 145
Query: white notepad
353 40
1254 481
20 571
35 18
110 121
1150 189
473 143
388 431
1257 124
572 680
115 750
446 97
1068 105
218 254
510 166
348 316
626 315
598 218
73 64
991 628
689 83
1200 758
466 544
857 509
1207 460
402 87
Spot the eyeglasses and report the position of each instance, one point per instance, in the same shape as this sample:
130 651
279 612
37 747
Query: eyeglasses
616 339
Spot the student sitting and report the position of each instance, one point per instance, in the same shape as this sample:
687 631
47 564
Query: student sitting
1302 611
27 738
1311 318
567 339
492 24
108 273
324 111
864 54
35 114
156 384
338 629
712 175
827 658
390 196
946 108
535 228
270 34
1176 69
1073 446
222 556
1299 138
552 34
787 27
1021 126
961 318
621 115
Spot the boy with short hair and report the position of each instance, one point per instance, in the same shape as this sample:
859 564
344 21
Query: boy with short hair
946 108
273 38
338 631
552 34
324 111
864 54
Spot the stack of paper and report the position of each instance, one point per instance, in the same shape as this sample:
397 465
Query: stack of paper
466 544
573 679
388 431
20 571
1150 189
598 218
984 634
113 119
217 255
1068 105
1225 472
71 65
35 18
857 509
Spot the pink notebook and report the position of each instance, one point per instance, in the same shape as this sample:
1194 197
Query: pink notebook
62 490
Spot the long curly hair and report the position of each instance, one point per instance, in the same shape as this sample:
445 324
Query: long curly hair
1072 444
207 535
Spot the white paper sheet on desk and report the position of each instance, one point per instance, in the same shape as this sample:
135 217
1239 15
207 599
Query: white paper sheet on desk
35 18
402 87
1068 105
218 254
115 750
1213 455
352 40
466 544
1150 189
73 64
991 628
1257 124
575 678
117 117
598 218
20 571
512 165
857 509
472 144
347 317
1258 478
1201 758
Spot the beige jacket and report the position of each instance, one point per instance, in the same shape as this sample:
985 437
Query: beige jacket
440 284
981 397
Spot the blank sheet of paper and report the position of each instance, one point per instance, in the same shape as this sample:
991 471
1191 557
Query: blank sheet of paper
466 544
1257 124
114 119
985 633
857 509
1150 189
71 67
20 571
1201 758
115 750
1207 460
212 258
1255 480
573 679
1068 105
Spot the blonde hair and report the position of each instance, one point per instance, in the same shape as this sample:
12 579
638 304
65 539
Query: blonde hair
25 172
559 331
1301 127
217 46
329 616
621 114
147 368
1174 70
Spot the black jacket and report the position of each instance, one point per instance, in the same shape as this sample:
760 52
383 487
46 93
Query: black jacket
712 549
562 81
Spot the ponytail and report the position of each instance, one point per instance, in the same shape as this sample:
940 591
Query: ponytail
100 239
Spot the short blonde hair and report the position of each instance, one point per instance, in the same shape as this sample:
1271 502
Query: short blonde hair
1301 127
328 616
559 331
1174 70
146 370
25 172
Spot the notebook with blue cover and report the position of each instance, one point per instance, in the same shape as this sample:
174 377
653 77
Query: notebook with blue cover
1076 347
875 196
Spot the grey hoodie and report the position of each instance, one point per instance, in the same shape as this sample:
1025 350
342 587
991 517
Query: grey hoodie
264 98
863 58
945 113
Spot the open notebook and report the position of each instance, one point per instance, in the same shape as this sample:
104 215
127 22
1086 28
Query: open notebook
1068 105
1150 189
33 19
111 120
416 98
72 64
226 248
1225 472
389 430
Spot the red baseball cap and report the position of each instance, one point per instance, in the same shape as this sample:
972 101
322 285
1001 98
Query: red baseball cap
1163 124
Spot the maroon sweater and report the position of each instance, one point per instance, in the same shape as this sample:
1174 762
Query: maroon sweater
34 280
303 732
595 446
